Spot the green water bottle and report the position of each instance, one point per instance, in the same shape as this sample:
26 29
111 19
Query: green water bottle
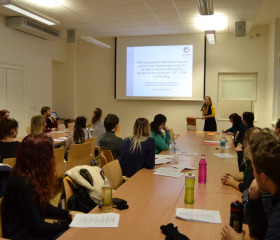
189 184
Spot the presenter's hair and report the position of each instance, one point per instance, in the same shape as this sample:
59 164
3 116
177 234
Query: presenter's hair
6 126
44 109
265 152
141 132
80 124
248 117
35 162
158 120
234 117
110 122
96 116
210 100
37 124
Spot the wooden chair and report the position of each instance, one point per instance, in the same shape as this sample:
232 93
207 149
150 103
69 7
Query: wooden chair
9 161
105 156
191 123
68 185
79 154
71 126
92 141
113 172
59 161
118 132
61 127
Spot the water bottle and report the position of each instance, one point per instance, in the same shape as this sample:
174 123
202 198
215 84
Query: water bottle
106 197
173 147
236 216
202 170
189 188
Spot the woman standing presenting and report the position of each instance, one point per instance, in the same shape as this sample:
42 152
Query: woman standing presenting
208 114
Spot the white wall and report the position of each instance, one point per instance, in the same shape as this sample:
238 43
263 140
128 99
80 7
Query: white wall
95 82
35 55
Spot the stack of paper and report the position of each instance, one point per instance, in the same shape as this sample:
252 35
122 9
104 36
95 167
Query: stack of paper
169 172
224 155
183 166
198 215
186 153
104 220
161 159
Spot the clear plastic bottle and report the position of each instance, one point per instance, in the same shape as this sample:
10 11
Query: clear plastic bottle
202 171
173 147
106 197
189 188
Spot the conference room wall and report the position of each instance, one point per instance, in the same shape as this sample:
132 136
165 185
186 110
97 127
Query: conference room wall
35 55
95 82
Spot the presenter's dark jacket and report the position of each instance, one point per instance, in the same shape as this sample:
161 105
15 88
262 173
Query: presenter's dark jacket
23 217
210 123
111 142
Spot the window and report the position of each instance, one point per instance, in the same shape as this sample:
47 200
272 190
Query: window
237 93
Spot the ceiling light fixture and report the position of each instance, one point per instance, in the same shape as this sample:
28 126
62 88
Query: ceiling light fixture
17 7
211 37
94 41
205 7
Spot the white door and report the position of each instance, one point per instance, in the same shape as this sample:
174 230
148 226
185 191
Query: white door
12 95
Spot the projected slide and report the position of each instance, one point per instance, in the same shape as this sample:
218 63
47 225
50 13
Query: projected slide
159 71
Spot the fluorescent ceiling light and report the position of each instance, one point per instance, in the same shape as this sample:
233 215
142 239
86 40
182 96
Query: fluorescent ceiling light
15 6
210 36
94 41
205 7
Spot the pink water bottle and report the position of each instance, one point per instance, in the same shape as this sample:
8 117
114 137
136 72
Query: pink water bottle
202 169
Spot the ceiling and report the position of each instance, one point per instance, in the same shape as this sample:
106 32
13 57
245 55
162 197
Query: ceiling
114 18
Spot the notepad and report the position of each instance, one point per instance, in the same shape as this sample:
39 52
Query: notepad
224 155
198 215
103 220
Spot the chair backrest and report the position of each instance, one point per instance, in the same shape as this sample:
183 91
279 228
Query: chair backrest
9 161
61 127
59 161
191 123
71 126
68 189
113 172
79 154
118 132
105 156
92 141
1 231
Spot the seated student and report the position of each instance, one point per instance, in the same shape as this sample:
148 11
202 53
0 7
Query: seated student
237 128
96 127
38 124
139 150
265 152
277 128
31 186
4 114
109 140
79 134
50 119
162 143
242 181
8 133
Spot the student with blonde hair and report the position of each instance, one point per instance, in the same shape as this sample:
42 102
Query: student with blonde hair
96 127
38 124
208 114
138 150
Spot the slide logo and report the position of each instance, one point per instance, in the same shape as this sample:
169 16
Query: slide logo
186 49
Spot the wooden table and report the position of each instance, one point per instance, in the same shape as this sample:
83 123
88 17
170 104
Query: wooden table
153 199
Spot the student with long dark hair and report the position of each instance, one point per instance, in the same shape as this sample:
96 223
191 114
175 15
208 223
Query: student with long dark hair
8 133
31 186
138 150
80 134
96 127
162 142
